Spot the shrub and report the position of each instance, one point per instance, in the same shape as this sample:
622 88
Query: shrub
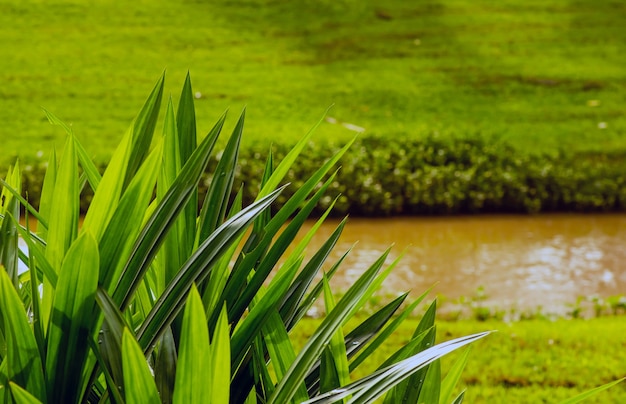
152 300
383 175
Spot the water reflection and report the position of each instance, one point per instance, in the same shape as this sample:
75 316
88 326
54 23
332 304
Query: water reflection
522 262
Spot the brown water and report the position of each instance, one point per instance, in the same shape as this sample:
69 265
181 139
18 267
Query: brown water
522 262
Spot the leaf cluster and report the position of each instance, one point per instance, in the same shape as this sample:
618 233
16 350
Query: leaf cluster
166 294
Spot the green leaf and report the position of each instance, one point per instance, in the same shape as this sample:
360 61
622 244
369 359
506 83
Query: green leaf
328 376
143 129
453 377
9 249
23 363
410 389
281 351
194 361
459 398
251 326
47 192
139 385
110 339
293 307
90 169
153 234
429 393
216 200
186 125
63 226
22 396
219 275
378 341
174 250
284 166
125 224
264 268
337 344
165 366
311 351
72 320
39 254
369 388
196 269
592 392
107 195
220 360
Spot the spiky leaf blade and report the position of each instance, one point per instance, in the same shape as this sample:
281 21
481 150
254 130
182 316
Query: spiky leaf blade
138 382
22 361
72 320
194 360
220 360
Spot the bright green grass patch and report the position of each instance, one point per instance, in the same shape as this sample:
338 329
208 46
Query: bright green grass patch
542 75
533 361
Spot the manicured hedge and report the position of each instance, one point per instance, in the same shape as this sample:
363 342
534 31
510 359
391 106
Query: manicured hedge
382 176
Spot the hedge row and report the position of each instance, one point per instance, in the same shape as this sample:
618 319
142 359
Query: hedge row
380 176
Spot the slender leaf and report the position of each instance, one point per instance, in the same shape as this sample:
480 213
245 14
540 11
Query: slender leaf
337 341
431 388
165 366
459 398
291 305
23 363
165 214
9 249
453 377
186 127
174 250
253 323
106 196
197 269
138 383
22 396
47 192
328 375
72 320
590 393
143 129
194 361
369 388
310 352
110 338
284 166
220 360
264 268
216 200
118 238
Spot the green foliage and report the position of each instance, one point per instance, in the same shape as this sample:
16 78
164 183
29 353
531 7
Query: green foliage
151 300
432 175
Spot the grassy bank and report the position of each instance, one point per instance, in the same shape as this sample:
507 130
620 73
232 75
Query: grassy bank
532 361
543 76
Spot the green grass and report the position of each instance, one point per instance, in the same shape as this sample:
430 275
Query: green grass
532 361
525 71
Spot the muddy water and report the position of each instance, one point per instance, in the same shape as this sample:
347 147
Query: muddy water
522 262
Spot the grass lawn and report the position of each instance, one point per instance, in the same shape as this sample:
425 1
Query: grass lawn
541 75
534 361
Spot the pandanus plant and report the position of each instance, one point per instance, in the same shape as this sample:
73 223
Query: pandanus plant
156 297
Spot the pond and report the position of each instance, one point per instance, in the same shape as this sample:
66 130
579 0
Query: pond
522 262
